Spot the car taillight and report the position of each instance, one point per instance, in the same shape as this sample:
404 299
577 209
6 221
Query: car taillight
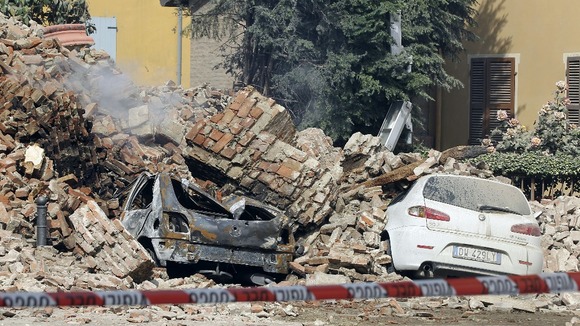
428 213
527 229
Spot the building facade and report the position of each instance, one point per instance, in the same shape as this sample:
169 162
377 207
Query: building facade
143 39
205 53
524 48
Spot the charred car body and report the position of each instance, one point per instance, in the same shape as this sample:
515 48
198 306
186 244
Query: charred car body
187 230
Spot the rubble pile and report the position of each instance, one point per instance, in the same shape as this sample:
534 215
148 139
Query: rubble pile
560 224
74 129
46 147
350 243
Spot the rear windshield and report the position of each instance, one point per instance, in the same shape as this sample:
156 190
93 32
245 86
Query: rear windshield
472 193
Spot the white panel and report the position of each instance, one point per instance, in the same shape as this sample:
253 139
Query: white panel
106 35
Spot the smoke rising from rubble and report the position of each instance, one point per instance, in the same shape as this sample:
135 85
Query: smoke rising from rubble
115 92
118 96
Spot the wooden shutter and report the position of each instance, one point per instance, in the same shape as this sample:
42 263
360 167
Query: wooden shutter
492 88
573 81
477 100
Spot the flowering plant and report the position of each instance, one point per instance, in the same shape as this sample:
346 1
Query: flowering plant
552 133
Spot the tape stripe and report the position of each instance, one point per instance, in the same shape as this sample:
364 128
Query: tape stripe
543 283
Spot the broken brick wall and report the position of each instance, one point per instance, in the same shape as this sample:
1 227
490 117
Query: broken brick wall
253 142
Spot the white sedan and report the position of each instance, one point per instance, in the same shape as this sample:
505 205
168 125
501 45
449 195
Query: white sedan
450 225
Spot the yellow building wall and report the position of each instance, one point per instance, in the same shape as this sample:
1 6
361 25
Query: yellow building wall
146 40
538 33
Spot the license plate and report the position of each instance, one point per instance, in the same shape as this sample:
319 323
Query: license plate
477 254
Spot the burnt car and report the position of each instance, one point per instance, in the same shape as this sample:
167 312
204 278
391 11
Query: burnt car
188 231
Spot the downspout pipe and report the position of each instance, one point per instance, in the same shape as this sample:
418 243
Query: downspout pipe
179 42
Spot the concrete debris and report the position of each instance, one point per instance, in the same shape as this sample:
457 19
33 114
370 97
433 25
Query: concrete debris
75 129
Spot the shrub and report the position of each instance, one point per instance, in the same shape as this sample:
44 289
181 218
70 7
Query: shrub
550 149
49 12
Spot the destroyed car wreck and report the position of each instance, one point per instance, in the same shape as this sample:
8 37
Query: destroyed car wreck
188 231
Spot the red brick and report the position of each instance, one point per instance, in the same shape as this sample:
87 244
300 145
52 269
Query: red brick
246 107
266 178
217 117
256 155
239 100
299 156
107 143
365 221
178 159
195 130
216 134
256 112
297 268
247 138
223 142
236 128
4 218
49 88
228 153
128 155
228 117
22 192
186 114
263 165
273 168
74 192
28 211
287 172
199 140
7 162
208 143
293 164
248 122
118 225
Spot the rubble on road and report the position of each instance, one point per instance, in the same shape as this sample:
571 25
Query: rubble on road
74 129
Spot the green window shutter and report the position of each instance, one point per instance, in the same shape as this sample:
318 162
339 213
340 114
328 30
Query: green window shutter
573 81
492 83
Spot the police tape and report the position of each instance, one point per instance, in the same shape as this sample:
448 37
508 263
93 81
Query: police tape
484 285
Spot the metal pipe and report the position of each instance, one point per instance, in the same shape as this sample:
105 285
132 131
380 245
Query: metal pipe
41 221
179 43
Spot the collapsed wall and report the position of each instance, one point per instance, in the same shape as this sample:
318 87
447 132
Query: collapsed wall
75 129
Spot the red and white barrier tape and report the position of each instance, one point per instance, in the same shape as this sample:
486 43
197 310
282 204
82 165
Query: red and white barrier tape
543 283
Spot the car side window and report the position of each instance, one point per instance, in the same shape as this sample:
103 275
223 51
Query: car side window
144 196
191 199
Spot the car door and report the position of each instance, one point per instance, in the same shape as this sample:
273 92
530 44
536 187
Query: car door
137 206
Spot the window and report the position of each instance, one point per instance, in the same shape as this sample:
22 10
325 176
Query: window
573 81
492 88
471 193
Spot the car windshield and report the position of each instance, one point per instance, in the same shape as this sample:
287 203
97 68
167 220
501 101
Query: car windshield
476 194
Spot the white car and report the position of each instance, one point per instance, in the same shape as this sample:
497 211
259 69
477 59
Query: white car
450 225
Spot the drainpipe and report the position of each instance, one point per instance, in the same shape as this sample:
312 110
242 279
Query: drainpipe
41 221
179 45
